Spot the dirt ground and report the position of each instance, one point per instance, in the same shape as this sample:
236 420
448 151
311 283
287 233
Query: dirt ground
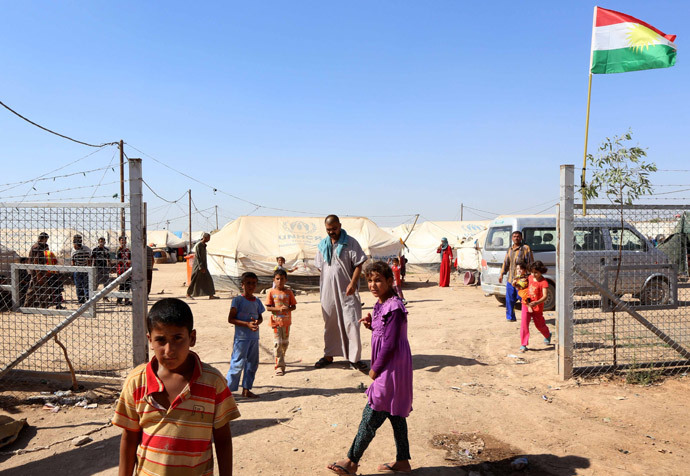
475 407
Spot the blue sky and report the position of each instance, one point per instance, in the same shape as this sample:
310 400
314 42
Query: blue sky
378 109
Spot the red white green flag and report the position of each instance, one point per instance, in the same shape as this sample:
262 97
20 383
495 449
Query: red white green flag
621 43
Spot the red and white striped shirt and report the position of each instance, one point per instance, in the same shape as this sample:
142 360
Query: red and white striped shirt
177 440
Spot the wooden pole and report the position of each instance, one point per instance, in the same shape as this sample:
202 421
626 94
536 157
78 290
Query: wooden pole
122 187
584 158
189 244
139 296
216 217
461 211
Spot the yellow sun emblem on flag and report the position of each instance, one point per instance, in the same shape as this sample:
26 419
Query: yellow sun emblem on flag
640 36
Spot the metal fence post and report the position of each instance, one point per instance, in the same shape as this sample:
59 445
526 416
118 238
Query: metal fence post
564 270
139 297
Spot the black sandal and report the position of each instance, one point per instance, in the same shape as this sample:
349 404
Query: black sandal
323 362
359 365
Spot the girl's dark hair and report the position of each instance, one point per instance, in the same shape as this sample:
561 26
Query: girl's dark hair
523 264
380 267
538 266
170 312
279 272
248 275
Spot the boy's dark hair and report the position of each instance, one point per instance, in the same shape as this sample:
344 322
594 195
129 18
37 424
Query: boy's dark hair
279 272
516 232
396 259
279 257
380 267
523 264
248 275
170 312
538 266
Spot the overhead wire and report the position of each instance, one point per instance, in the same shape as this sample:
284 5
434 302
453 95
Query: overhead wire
56 133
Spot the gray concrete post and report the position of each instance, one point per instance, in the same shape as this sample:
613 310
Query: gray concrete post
139 297
564 272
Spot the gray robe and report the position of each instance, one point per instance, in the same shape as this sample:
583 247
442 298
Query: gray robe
201 283
341 313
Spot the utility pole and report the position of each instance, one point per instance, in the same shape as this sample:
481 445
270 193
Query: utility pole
461 210
122 187
216 217
189 245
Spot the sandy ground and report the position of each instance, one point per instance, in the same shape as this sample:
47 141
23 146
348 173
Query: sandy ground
470 396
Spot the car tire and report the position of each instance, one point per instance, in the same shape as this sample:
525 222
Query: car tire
500 299
550 303
657 292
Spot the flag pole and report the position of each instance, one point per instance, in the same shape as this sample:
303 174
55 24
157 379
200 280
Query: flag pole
584 158
589 97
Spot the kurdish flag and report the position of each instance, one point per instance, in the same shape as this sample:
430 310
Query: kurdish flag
621 43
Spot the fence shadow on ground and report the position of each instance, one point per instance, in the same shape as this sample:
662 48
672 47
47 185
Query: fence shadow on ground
434 363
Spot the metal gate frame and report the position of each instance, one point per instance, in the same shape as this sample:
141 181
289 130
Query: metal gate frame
137 272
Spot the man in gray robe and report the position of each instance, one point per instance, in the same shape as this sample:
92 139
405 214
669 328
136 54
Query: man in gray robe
201 283
340 259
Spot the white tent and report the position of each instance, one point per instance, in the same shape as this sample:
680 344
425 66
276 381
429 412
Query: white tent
253 243
164 239
426 237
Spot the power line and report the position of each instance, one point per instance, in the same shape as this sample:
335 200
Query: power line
43 178
53 132
164 199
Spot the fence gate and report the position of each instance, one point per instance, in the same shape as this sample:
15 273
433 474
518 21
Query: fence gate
63 292
623 288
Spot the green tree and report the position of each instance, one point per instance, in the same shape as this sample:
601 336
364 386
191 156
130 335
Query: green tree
622 175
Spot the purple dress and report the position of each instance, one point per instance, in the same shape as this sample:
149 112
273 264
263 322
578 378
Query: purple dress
391 359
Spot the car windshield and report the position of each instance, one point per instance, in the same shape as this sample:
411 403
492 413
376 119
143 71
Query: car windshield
498 238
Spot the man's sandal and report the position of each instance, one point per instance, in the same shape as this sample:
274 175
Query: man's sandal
323 362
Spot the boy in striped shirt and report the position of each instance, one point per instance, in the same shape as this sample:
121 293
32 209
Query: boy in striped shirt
172 408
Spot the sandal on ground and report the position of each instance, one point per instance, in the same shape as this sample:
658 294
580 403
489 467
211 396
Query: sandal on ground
323 362
213 297
190 297
547 340
390 468
280 372
523 348
249 394
360 365
337 469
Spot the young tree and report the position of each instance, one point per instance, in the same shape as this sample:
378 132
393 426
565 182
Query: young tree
623 176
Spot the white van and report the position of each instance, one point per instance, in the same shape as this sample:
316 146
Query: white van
539 232
596 243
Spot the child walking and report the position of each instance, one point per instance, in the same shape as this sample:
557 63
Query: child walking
397 279
534 308
390 394
174 408
281 302
281 265
245 315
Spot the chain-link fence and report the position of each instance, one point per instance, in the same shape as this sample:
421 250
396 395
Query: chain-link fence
66 292
624 287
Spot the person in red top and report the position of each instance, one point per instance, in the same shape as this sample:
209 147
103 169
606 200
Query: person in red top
397 278
534 309
446 262
281 302
124 262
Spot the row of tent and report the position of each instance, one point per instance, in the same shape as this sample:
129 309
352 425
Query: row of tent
253 243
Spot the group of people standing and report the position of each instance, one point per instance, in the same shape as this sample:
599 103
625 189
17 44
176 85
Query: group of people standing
45 287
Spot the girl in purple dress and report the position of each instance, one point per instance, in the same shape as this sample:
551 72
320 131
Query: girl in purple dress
390 394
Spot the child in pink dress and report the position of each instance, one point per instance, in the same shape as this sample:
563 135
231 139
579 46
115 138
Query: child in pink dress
389 397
